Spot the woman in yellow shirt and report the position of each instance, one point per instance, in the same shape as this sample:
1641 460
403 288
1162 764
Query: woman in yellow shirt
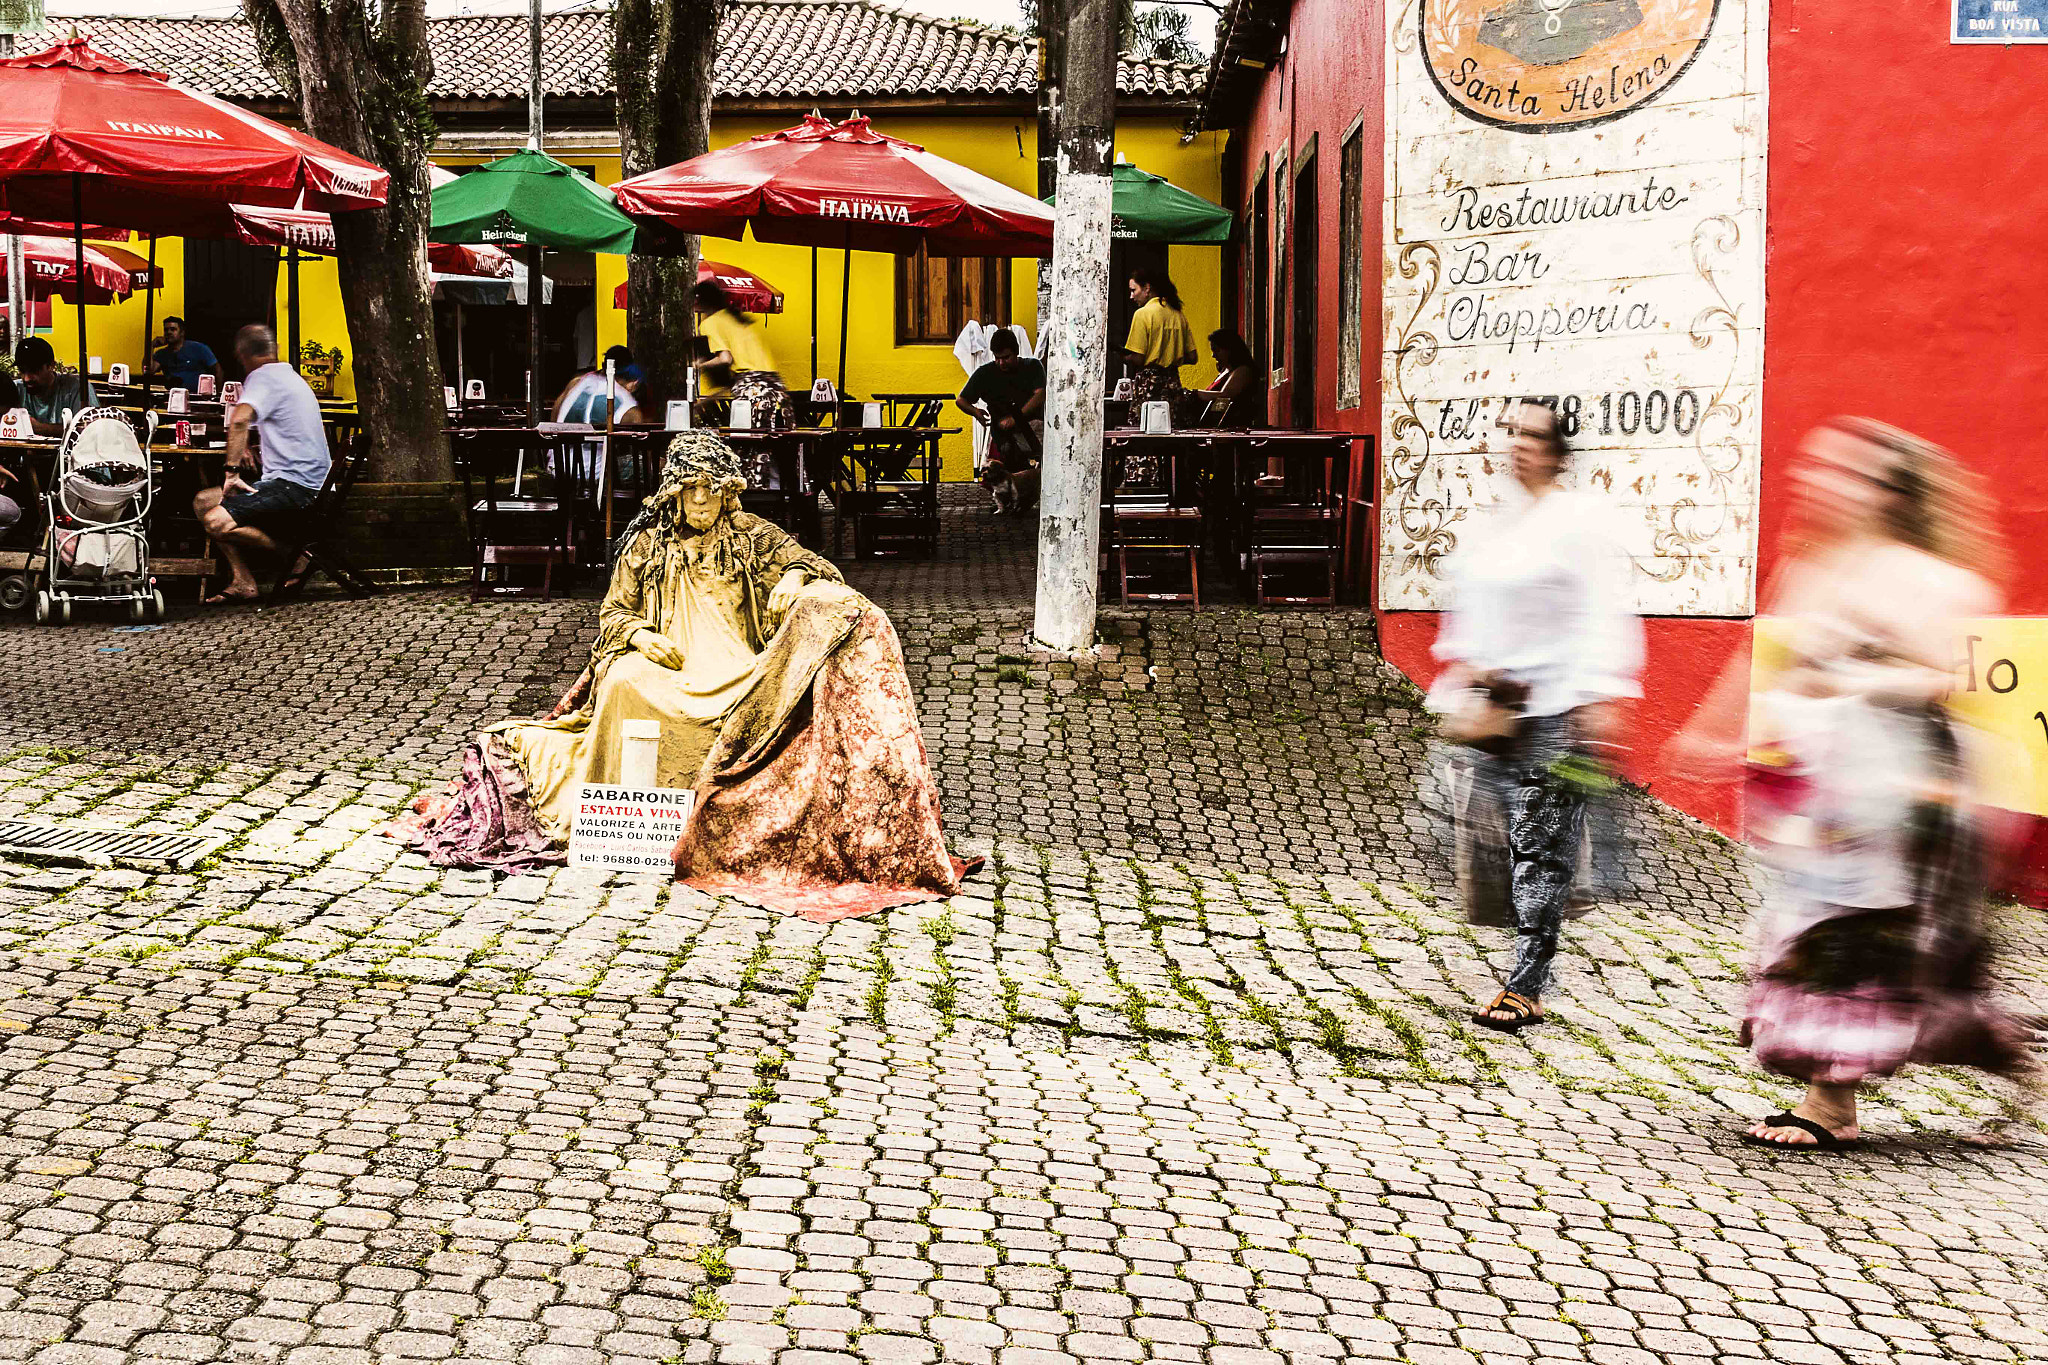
737 362
1161 341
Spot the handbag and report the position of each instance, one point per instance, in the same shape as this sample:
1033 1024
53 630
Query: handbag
1486 715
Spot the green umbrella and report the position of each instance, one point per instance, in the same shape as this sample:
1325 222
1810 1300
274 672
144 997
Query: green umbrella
1149 208
531 198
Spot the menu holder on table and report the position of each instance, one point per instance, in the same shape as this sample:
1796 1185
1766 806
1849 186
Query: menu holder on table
230 394
1155 418
678 415
95 366
742 418
474 390
871 414
177 400
117 374
15 425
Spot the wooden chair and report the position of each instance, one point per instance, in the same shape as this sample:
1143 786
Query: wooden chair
506 531
1296 532
912 409
1152 520
319 540
895 503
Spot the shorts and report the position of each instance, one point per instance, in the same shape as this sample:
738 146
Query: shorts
276 507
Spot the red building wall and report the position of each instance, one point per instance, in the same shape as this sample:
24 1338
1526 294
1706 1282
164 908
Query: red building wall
1906 278
1330 78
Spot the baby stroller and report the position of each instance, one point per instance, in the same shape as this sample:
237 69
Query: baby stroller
97 545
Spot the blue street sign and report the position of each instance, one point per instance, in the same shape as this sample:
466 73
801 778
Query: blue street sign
2000 21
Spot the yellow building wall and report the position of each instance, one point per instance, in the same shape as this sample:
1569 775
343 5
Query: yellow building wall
1004 149
115 331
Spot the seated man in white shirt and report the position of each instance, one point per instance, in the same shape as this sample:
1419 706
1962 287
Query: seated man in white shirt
257 511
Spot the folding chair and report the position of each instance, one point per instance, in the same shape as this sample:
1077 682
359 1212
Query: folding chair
505 531
1152 521
319 541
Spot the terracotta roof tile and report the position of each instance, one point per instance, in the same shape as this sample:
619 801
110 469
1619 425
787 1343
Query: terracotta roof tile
772 49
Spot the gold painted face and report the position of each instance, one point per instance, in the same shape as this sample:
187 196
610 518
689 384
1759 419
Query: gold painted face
703 502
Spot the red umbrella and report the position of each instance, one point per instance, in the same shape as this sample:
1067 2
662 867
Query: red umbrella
845 185
85 136
51 267
839 184
748 291
314 232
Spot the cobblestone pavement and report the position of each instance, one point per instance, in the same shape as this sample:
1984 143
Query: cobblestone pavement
1183 1076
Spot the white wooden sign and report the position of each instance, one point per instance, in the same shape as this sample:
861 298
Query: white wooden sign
628 828
1574 210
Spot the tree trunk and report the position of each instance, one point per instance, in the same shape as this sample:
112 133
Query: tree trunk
662 56
361 86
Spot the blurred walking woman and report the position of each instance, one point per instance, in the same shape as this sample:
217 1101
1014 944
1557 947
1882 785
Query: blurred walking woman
1540 647
1859 795
737 363
1160 341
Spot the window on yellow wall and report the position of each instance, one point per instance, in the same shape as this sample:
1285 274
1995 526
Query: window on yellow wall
936 296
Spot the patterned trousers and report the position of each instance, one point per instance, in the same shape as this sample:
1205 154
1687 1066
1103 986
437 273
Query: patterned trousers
1546 822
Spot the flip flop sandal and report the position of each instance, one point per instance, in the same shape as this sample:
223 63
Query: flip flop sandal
1524 1015
1823 1140
231 599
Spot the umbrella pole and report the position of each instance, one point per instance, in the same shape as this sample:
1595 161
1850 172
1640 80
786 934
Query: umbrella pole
78 255
604 474
533 332
461 370
814 315
148 324
291 305
845 294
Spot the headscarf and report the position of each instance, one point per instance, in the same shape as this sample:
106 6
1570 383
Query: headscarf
692 454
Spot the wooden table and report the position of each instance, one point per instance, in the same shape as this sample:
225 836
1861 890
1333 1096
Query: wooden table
1226 461
790 501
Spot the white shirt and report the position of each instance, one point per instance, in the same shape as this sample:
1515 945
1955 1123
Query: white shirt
1541 592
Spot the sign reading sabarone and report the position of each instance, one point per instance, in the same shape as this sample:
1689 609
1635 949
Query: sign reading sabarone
628 829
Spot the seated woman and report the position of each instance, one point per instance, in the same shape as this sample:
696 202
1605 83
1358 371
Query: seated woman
781 697
1234 399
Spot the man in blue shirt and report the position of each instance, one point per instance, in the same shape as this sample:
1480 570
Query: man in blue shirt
181 361
252 510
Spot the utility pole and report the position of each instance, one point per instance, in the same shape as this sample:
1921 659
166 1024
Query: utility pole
535 288
1070 498
1052 47
17 288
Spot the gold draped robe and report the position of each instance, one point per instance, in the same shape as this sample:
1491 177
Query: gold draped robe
709 594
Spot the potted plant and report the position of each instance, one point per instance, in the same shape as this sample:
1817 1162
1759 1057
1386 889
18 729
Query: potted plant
320 365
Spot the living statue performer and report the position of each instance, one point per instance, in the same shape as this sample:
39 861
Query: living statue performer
781 697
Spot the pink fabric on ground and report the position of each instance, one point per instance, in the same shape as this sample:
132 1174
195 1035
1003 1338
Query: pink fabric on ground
481 819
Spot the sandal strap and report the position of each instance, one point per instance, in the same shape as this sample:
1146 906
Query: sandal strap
1521 1004
1822 1138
